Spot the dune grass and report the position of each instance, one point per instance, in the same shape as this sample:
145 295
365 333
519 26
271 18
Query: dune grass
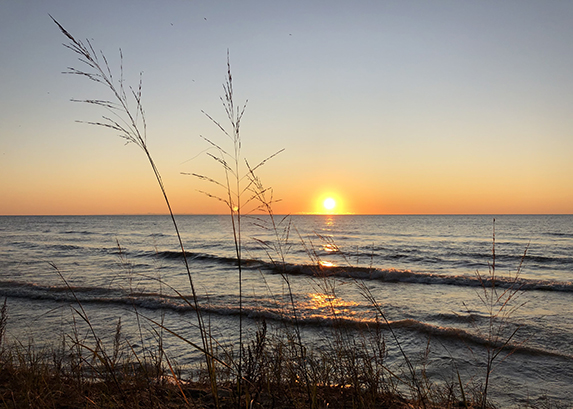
88 372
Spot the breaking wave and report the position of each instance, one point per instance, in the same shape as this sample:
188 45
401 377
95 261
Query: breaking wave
391 275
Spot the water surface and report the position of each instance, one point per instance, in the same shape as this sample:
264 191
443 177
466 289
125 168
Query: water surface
419 270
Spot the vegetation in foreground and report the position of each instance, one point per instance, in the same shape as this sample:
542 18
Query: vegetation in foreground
89 372
86 372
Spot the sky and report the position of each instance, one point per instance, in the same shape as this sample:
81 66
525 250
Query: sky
388 107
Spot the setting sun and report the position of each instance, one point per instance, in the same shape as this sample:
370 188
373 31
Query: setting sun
329 203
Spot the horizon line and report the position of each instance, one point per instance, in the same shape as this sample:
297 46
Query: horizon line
289 214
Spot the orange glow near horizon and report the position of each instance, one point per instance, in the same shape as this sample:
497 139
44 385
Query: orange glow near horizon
94 198
141 196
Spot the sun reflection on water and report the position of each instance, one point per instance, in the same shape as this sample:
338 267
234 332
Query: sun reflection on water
324 263
328 223
330 248
326 305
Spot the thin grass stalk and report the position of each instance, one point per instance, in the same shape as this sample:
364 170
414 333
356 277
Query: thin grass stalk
233 189
259 193
498 310
491 319
235 185
416 383
124 262
235 119
3 321
130 130
98 351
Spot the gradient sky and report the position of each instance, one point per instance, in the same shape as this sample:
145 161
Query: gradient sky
391 107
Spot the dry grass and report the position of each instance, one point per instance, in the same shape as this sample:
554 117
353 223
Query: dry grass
72 377
90 372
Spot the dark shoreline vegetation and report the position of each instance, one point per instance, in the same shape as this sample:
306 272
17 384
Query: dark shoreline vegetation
268 368
95 373
84 370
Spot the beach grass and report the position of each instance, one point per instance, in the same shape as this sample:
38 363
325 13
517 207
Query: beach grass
92 372
351 372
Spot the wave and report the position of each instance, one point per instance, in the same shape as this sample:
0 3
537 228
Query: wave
407 276
469 259
53 292
473 338
64 247
81 232
557 234
204 257
393 275
390 275
409 324
268 310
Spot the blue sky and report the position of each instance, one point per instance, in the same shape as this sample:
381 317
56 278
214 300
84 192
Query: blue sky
389 106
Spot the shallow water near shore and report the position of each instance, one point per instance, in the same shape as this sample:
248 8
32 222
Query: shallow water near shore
421 270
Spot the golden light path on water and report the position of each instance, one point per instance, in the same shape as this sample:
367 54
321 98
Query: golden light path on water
330 248
326 306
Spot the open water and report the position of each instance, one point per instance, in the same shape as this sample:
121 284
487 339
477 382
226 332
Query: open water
420 270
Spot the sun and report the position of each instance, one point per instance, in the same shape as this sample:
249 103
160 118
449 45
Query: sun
329 203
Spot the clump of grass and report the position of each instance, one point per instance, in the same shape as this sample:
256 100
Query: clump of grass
81 372
500 304
88 371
